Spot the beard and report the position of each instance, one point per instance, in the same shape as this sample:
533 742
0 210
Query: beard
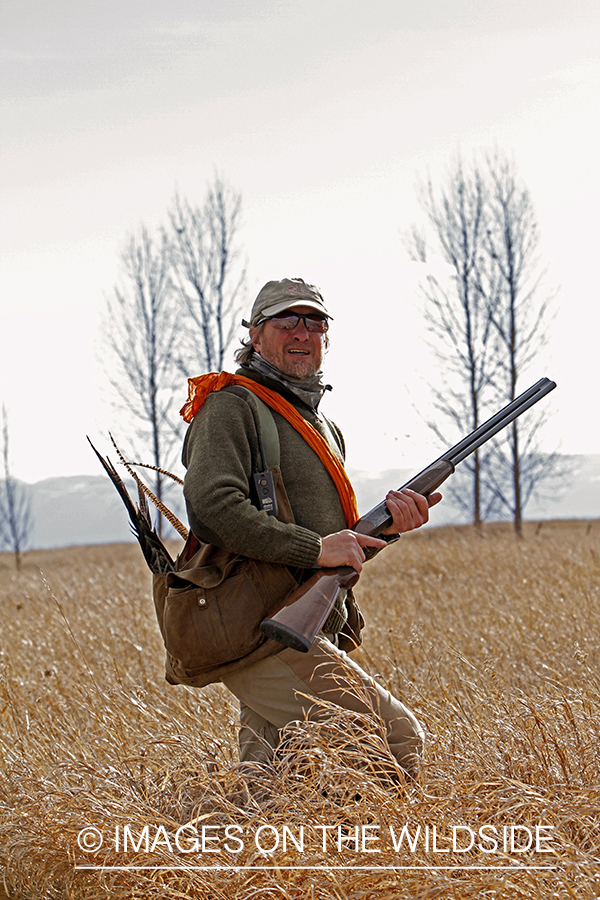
299 367
294 361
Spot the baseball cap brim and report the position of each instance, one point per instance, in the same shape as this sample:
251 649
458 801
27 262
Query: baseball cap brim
282 305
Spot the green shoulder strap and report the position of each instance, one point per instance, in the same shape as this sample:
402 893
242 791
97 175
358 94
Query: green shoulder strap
266 423
268 428
270 435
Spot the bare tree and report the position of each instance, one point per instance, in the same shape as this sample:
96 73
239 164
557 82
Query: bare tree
207 274
487 325
457 313
15 503
520 313
175 315
142 330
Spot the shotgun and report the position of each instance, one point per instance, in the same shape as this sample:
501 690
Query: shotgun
300 619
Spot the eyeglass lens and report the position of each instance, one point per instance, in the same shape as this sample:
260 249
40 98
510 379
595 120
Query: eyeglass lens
311 323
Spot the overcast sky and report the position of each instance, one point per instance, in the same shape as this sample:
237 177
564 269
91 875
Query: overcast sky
323 114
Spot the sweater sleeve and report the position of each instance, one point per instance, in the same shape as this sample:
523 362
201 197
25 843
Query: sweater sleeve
219 452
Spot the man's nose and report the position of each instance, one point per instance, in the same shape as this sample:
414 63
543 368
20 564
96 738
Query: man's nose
301 331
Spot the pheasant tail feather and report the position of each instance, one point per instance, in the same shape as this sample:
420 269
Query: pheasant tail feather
166 512
155 553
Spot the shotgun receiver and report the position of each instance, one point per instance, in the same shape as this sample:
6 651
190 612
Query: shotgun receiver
298 622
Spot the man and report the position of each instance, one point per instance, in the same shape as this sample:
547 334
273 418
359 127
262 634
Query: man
287 338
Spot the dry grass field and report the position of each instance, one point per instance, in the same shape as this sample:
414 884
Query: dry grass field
494 642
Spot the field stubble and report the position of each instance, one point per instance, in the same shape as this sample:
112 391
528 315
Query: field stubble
492 641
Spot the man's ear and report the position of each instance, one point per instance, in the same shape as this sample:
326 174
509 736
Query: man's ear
255 334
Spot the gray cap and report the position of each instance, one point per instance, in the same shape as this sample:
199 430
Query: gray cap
277 296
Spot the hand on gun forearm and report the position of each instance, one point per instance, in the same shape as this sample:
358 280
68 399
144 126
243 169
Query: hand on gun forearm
344 548
408 509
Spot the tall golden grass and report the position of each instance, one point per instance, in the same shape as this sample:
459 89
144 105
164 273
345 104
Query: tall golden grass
495 644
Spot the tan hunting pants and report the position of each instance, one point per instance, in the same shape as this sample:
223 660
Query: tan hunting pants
277 691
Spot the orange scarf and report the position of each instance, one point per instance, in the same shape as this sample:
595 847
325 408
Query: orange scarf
199 388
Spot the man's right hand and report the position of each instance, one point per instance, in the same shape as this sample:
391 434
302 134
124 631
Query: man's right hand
344 548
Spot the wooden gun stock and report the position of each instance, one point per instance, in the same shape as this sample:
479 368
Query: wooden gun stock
299 621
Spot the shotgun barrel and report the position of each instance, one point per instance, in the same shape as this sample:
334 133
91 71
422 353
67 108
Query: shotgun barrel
430 478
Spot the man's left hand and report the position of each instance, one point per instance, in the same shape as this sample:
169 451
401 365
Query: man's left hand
409 510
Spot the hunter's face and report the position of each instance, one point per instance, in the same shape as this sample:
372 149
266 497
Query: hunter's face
298 353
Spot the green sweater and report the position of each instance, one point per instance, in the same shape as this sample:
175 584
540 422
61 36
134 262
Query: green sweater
220 454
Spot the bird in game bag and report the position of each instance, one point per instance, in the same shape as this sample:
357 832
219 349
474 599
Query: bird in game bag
157 556
209 601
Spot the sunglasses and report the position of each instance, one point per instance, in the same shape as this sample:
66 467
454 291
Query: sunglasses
289 321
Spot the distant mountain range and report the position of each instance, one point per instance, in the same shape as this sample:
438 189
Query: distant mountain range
86 509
